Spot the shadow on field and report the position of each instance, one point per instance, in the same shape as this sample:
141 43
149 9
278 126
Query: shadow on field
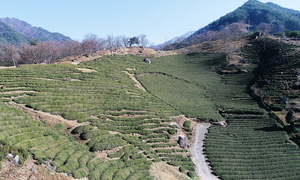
210 59
270 129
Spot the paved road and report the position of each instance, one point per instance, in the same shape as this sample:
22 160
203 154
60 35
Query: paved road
202 167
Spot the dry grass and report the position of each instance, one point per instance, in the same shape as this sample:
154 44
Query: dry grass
161 170
29 171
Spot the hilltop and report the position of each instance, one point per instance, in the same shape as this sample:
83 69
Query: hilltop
250 16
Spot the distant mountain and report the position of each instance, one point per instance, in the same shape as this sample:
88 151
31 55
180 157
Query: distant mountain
32 31
11 36
254 13
177 39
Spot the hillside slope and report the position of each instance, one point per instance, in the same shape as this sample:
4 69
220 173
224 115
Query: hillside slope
101 125
279 64
10 35
32 31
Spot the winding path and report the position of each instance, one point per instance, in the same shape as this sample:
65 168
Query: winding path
202 167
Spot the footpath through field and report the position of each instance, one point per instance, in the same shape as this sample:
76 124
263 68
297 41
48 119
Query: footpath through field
203 169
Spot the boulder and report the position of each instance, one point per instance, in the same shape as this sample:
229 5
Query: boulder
175 125
182 141
10 157
221 123
16 159
244 71
146 60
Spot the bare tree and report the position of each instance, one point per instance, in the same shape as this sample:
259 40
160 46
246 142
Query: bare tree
101 44
9 55
232 32
110 43
118 41
235 30
264 28
90 44
125 40
71 48
143 40
51 51
31 54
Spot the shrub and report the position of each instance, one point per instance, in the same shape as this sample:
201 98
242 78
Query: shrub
187 124
172 131
81 129
192 174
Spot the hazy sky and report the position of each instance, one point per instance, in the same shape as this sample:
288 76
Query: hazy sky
160 20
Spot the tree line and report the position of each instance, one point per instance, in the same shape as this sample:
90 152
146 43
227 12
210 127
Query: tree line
49 51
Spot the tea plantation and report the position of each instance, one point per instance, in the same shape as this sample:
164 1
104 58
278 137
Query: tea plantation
133 127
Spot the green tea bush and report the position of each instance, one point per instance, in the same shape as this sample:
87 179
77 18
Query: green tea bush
121 151
192 174
81 129
163 145
186 167
187 124
157 140
81 173
92 164
139 175
85 135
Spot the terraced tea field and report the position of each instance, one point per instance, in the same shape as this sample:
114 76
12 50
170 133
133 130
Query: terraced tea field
121 131
253 146
279 67
124 129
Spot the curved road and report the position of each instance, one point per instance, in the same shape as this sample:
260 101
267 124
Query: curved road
202 167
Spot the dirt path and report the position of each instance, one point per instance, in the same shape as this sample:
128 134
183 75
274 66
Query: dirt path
46 118
137 83
202 167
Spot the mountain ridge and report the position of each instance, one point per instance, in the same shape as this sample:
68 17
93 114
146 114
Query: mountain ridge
33 31
11 36
253 12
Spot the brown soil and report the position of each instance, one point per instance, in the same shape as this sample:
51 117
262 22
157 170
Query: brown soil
86 70
162 171
7 67
138 51
29 171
